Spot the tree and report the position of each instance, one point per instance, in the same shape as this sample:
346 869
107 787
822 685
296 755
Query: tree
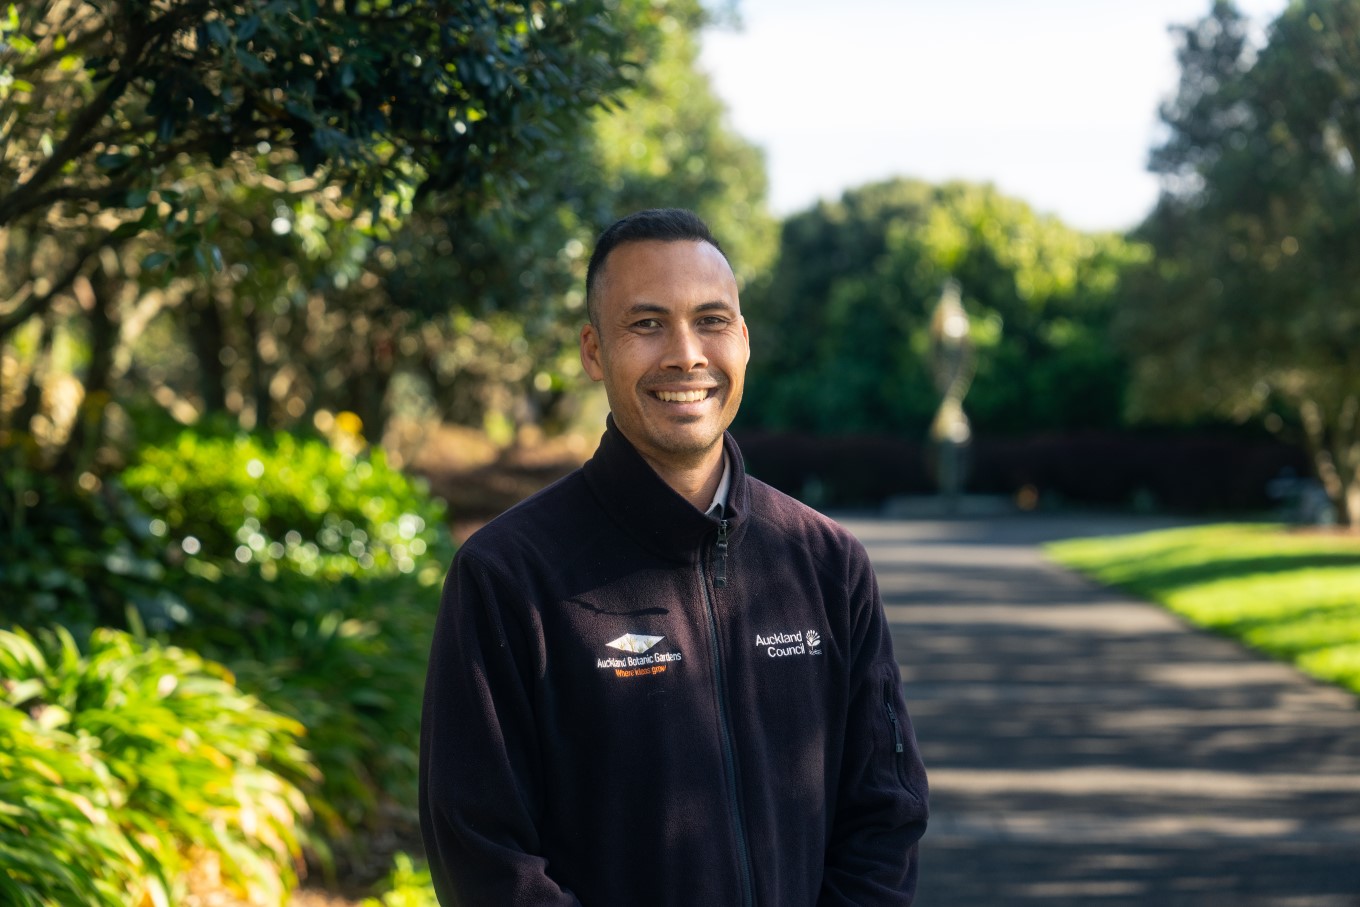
841 333
118 118
516 284
1252 305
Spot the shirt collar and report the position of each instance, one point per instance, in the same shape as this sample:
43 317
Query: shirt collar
719 504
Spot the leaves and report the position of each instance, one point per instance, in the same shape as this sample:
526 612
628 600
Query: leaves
119 764
841 334
1252 308
281 503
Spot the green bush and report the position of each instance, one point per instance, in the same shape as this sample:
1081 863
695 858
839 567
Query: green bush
87 556
408 885
288 504
127 766
55 847
349 665
247 573
316 583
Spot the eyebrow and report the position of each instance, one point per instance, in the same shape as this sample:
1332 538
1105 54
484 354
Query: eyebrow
639 308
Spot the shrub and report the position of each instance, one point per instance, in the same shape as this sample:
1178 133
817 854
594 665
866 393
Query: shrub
288 504
316 583
87 556
408 885
55 847
131 764
349 664
334 639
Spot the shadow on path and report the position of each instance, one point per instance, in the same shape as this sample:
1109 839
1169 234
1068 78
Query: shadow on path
1087 748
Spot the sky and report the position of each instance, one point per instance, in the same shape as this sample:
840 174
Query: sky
1053 101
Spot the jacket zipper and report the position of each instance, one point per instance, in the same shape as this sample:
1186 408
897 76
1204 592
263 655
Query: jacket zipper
892 720
896 726
725 722
720 566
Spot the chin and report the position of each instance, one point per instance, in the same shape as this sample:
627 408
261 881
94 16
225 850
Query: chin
688 444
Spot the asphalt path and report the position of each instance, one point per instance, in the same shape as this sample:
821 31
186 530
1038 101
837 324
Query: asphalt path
1086 748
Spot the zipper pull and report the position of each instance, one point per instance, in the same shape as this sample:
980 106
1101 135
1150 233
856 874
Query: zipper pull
720 570
892 719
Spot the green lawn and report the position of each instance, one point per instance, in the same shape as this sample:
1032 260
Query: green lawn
1293 594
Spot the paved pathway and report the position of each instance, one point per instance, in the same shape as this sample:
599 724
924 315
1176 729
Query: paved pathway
1086 748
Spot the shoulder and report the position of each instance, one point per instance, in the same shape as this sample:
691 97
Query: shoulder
798 524
536 528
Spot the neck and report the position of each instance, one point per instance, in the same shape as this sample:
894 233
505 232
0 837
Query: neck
695 481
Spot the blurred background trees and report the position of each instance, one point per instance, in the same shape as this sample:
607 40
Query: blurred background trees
134 129
841 331
1251 306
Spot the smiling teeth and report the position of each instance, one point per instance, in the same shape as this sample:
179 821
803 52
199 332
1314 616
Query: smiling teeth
681 396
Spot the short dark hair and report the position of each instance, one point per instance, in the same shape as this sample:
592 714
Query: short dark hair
654 225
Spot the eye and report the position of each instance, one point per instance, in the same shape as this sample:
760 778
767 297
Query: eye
646 324
714 321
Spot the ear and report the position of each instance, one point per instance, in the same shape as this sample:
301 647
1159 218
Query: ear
590 353
746 336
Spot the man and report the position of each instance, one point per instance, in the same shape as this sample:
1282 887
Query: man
659 681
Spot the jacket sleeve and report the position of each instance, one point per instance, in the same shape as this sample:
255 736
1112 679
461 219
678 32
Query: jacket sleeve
881 808
480 797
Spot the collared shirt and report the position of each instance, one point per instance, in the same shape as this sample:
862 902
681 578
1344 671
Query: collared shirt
720 496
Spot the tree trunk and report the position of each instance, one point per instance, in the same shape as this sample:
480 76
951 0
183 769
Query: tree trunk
79 452
259 375
1334 443
1351 514
204 321
369 386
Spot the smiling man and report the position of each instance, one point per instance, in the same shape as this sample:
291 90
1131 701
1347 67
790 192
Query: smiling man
660 681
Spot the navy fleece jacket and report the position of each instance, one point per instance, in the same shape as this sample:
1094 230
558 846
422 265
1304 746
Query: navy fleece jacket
632 703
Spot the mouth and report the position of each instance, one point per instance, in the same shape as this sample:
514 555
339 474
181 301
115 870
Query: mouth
687 396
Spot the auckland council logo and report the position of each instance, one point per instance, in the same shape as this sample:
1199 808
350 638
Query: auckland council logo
639 661
782 645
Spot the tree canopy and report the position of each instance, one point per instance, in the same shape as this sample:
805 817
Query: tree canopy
277 211
841 335
1252 306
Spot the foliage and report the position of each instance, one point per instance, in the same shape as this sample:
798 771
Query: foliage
131 766
407 886
138 136
283 503
841 337
668 145
1251 308
1293 595
314 574
254 287
88 555
101 97
325 613
347 660
54 849
516 284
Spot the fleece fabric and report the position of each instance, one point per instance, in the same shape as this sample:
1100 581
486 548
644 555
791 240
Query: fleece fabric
632 703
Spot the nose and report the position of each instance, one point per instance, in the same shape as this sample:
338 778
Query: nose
685 350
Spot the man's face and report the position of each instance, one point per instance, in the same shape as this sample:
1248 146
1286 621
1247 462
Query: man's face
671 348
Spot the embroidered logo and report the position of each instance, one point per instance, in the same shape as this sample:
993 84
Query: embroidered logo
641 661
782 645
634 642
